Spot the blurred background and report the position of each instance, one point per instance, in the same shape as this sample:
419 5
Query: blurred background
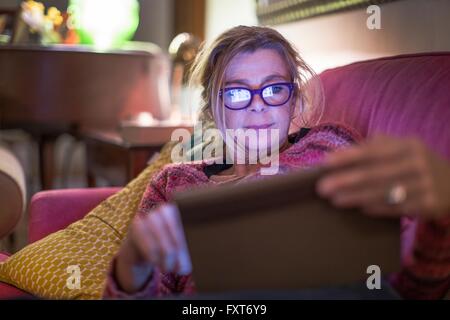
406 26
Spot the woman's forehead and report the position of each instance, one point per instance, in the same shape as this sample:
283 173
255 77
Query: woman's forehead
259 64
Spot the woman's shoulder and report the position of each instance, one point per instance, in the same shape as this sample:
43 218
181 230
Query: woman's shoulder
311 144
170 178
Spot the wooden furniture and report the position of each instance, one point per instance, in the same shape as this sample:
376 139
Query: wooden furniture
7 21
48 91
189 16
110 158
119 156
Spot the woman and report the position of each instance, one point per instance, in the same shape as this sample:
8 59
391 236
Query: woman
253 80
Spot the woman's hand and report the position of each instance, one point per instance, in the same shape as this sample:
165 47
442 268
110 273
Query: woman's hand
154 240
388 176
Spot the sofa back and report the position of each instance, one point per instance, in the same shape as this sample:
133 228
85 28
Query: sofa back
406 95
54 210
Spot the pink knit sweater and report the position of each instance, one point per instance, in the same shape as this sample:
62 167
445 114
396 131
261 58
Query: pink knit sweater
305 152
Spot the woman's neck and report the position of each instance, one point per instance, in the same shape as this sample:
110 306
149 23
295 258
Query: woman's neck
240 170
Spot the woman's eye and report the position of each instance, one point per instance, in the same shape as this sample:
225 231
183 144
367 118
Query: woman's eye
229 94
277 89
272 90
237 95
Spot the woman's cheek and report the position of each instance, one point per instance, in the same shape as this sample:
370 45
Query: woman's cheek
283 122
234 119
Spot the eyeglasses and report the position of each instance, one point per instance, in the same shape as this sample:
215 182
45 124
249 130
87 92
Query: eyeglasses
274 95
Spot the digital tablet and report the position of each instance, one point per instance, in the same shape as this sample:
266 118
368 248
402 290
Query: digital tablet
277 234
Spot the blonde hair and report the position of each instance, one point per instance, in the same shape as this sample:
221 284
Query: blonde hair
210 65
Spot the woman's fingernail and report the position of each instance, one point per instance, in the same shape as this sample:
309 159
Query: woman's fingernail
337 201
185 263
170 261
323 187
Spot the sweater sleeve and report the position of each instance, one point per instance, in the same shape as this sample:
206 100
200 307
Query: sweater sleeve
160 283
426 268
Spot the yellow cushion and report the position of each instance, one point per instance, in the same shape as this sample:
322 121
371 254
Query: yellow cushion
48 268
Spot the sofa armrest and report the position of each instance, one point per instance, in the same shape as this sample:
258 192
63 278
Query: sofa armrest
53 210
12 191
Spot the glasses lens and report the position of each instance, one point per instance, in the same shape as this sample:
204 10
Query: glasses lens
276 94
236 98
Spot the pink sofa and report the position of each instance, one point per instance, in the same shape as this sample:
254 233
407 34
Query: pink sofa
404 95
61 208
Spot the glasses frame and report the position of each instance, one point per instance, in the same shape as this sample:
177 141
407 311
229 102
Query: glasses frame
259 91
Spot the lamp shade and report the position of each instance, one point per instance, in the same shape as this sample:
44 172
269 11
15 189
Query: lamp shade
104 24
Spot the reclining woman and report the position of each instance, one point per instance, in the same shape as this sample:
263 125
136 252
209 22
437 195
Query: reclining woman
252 79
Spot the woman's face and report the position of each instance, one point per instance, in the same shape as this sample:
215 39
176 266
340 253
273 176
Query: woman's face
254 70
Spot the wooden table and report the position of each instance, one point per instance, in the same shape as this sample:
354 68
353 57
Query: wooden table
114 160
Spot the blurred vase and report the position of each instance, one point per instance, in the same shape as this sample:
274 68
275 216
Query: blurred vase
185 96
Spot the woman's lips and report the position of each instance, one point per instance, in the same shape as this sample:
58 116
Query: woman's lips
259 126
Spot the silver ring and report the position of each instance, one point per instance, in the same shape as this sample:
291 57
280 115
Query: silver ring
396 195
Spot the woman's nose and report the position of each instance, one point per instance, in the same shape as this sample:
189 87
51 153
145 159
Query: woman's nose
257 104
